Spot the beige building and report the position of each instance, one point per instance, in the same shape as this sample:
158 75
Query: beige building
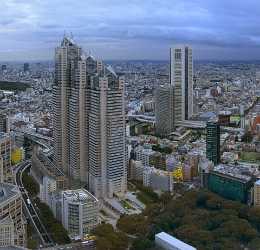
12 226
49 177
6 232
5 154
181 77
257 193
89 121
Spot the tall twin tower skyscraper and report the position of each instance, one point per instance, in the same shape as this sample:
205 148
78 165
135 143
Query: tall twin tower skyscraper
89 121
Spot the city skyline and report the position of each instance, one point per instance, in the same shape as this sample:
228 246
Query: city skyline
29 30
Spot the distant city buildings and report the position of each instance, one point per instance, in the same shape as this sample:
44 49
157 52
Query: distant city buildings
89 121
181 77
213 142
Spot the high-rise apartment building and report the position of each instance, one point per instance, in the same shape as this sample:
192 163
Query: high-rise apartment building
213 142
6 174
164 110
89 121
181 77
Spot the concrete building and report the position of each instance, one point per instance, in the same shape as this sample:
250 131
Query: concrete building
231 182
6 232
164 110
4 123
49 177
181 77
89 121
79 212
5 154
213 142
136 170
144 155
158 179
257 193
66 58
107 136
12 225
168 242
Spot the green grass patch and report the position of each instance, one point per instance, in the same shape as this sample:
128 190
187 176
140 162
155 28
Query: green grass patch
250 156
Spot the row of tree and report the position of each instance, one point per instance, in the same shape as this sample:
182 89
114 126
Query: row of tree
200 218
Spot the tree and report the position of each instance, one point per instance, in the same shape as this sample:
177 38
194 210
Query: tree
30 184
132 224
142 243
32 244
109 239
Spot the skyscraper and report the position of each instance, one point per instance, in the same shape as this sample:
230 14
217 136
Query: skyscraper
4 123
26 67
89 121
181 77
164 110
66 58
213 142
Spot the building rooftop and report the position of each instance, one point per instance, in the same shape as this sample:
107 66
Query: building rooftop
79 195
12 248
7 191
3 135
172 241
240 172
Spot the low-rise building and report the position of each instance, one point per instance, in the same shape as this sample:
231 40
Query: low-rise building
12 225
232 182
168 242
79 212
158 179
49 177
136 170
144 155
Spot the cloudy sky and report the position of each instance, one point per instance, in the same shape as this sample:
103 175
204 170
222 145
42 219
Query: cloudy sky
131 29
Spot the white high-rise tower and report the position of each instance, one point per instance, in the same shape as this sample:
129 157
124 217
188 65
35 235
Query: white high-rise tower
181 77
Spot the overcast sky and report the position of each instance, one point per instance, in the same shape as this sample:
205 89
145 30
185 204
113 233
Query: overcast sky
131 29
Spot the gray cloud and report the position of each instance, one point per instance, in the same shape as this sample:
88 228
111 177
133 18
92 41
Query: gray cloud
132 29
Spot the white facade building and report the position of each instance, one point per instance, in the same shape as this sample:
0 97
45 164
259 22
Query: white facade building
144 155
79 211
168 242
